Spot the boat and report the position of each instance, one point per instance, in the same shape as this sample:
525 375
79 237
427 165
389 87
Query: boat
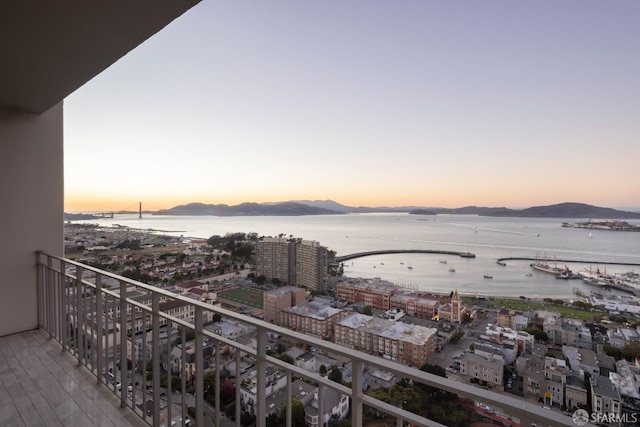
488 276
529 274
452 270
444 261
467 255
546 268
410 267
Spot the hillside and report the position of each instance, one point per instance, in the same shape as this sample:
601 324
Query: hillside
247 209
561 210
329 207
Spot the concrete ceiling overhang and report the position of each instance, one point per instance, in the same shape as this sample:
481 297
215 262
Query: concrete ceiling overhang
49 48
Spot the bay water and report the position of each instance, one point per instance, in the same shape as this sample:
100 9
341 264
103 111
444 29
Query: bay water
490 238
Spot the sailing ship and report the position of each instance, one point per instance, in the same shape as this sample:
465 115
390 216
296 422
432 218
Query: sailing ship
551 269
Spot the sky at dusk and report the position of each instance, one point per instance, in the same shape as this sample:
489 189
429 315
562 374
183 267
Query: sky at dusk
368 103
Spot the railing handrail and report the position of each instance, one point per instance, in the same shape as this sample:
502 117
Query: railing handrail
512 406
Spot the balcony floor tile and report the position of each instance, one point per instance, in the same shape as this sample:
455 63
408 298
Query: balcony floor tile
41 385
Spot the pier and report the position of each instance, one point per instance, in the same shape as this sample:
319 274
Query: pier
343 258
503 260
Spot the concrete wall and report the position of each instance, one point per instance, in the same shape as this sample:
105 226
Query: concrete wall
31 208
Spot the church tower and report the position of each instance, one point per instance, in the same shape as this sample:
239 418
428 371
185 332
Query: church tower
456 308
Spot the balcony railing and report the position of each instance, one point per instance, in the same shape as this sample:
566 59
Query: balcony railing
127 343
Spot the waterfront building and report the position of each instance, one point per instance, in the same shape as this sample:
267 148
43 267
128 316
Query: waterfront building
293 262
310 265
274 258
424 307
454 310
375 293
312 318
411 345
276 300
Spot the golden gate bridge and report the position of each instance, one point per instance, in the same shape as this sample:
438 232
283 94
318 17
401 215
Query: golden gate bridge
128 209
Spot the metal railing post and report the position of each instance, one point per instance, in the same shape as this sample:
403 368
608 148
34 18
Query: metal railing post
261 398
356 393
123 343
99 327
289 393
217 383
238 379
199 367
60 285
155 354
320 404
79 324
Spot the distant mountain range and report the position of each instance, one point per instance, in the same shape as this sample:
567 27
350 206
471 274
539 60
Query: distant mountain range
330 207
248 209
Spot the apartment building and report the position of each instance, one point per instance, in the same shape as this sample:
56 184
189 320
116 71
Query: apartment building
575 393
605 398
555 378
411 345
274 259
293 262
374 292
310 265
483 370
415 305
276 300
312 318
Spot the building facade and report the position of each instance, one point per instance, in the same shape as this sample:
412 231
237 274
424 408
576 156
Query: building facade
411 345
293 262
312 318
276 300
375 292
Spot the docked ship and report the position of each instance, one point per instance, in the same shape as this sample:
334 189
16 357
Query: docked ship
551 269
628 282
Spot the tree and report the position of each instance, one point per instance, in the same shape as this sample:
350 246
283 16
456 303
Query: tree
631 351
297 414
457 337
434 369
286 358
323 370
215 241
612 351
538 334
336 375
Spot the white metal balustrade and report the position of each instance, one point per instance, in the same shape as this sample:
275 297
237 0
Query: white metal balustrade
97 324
